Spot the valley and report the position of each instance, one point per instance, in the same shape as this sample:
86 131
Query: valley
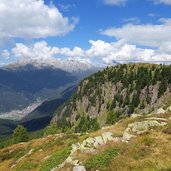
85 85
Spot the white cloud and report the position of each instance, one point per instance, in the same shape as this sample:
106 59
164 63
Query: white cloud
32 19
134 20
41 50
66 7
124 52
5 54
148 34
166 2
114 2
153 15
99 52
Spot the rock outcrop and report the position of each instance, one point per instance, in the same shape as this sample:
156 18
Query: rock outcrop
143 126
90 144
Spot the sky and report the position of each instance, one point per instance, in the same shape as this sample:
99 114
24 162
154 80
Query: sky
101 32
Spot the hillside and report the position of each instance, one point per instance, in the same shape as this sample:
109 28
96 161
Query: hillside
135 143
116 92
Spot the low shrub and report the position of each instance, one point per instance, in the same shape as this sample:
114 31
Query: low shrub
102 160
55 159
29 165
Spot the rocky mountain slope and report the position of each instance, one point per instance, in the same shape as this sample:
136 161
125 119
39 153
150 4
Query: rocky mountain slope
116 92
135 143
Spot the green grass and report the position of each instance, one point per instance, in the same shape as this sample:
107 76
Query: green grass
26 166
16 154
102 160
55 159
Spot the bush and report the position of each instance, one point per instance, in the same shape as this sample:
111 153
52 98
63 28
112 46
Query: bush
87 124
102 160
51 129
29 165
20 134
112 117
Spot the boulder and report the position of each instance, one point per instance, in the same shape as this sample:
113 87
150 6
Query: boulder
89 141
127 136
71 161
79 168
75 147
107 136
116 139
98 141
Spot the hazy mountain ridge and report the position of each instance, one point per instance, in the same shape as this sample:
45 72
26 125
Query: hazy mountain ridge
71 66
29 80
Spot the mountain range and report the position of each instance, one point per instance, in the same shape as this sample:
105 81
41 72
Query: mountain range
34 80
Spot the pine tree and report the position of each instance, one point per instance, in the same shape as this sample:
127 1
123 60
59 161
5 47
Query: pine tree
20 134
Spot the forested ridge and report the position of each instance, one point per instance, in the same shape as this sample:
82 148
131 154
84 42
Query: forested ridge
116 92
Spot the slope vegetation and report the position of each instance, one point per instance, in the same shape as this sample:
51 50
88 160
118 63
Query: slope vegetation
141 143
116 92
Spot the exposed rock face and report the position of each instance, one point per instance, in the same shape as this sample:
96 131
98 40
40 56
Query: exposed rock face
143 126
89 144
107 136
126 136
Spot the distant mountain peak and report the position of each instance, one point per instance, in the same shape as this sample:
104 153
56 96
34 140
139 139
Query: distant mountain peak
66 65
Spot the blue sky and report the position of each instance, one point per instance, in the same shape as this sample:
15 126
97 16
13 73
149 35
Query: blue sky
94 15
90 31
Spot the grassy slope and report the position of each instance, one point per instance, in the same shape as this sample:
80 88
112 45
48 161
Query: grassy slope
150 151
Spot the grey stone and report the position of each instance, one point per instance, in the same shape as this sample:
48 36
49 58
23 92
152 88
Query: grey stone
127 136
98 141
107 136
138 127
79 168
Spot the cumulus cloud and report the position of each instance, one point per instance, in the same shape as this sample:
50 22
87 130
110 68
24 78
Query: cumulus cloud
42 51
148 34
114 2
32 19
166 2
123 52
99 52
